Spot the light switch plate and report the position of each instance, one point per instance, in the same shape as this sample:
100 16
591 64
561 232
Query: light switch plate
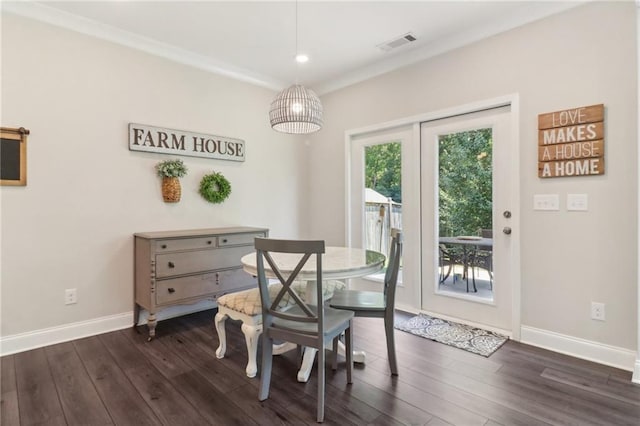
546 202
577 202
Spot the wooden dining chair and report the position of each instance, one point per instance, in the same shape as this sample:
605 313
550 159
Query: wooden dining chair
301 323
377 304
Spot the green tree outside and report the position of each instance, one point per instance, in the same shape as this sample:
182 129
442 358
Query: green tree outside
465 185
382 170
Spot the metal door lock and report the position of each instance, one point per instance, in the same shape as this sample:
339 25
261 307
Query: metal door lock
506 230
506 214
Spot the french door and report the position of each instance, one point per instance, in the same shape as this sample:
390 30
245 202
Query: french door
466 186
369 217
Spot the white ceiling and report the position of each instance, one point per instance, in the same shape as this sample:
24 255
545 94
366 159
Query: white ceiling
255 41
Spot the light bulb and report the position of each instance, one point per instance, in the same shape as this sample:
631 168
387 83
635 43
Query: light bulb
296 107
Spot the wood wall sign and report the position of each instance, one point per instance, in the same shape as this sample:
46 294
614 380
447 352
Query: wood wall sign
180 142
571 142
13 156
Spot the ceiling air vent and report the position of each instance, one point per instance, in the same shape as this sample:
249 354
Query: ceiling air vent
397 42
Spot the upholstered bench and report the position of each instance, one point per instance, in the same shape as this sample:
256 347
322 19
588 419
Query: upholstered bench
245 306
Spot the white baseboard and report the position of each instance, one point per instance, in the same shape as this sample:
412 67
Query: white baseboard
613 356
63 333
77 330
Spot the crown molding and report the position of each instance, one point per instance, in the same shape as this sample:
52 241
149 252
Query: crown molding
52 16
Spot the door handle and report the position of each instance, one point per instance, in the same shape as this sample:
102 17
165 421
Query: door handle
506 230
507 214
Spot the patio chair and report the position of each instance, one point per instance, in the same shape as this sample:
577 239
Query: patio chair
447 259
301 324
482 258
377 304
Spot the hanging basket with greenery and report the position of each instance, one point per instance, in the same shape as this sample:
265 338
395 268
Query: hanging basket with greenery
170 171
171 168
215 188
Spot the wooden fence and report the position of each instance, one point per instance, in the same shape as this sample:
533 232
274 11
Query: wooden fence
379 220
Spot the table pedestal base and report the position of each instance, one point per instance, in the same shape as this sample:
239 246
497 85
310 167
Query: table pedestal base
310 355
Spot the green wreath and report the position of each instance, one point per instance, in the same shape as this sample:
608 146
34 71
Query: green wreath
215 188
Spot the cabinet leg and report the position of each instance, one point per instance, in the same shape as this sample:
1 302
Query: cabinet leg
251 335
151 324
219 322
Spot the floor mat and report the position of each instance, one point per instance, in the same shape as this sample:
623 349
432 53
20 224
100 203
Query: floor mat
476 340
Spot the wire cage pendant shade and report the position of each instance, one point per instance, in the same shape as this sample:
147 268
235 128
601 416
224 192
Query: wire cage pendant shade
296 110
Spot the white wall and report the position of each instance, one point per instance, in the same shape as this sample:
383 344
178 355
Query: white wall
581 57
72 225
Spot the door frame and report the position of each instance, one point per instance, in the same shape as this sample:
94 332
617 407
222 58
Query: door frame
414 123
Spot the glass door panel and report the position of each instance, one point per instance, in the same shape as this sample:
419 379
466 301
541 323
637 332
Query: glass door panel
465 209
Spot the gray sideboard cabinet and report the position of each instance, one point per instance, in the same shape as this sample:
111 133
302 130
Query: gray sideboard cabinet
184 267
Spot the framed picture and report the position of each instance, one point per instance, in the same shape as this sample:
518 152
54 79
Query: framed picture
13 156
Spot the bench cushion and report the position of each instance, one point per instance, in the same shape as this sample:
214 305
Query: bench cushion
248 301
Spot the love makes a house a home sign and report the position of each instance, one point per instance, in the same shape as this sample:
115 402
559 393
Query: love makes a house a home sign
571 142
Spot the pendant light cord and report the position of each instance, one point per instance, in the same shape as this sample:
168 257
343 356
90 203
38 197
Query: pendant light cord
296 52
295 109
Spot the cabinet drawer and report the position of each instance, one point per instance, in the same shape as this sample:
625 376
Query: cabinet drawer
189 262
177 289
238 239
185 244
236 279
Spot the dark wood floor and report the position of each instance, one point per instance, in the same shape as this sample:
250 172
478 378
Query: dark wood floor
120 378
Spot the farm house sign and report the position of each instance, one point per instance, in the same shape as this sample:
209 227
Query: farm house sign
179 142
571 142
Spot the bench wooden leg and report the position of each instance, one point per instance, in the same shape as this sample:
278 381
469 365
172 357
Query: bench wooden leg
219 321
251 335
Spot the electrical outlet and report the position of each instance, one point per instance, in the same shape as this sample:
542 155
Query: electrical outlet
597 311
70 296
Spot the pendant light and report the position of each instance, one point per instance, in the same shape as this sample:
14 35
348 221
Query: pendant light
296 109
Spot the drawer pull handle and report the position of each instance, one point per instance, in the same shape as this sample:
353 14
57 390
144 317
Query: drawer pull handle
224 241
209 242
164 246
171 290
171 265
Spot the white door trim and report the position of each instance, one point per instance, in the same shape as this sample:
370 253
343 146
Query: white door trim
636 368
414 121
